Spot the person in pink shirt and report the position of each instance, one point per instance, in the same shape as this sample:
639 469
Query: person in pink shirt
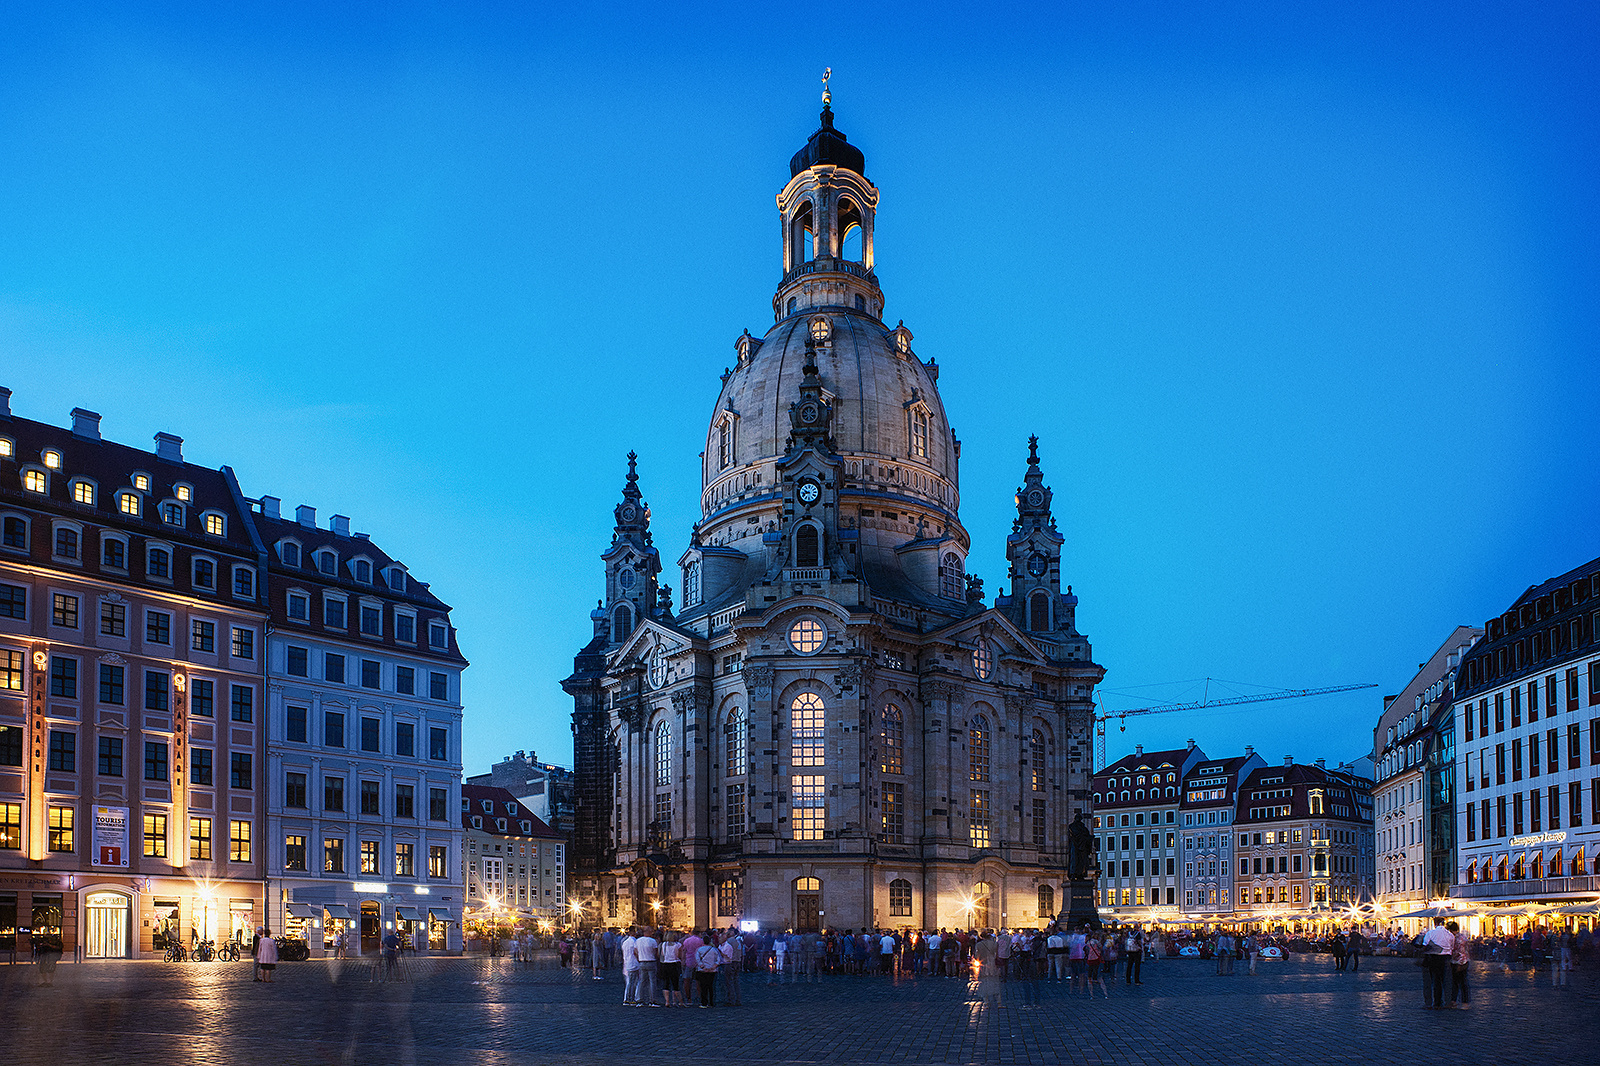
691 953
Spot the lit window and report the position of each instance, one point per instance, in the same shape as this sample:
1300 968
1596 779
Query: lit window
919 434
807 806
83 492
820 329
806 636
663 754
736 734
983 659
141 482
7 449
52 459
183 492
978 748
894 739
216 525
128 503
33 480
805 727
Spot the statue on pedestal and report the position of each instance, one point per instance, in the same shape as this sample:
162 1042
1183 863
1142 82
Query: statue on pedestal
1082 872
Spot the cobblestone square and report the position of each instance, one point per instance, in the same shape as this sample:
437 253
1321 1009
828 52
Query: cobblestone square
474 1010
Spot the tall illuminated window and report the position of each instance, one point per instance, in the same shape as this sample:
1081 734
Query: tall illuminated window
807 807
663 754
894 740
735 736
1036 760
806 730
978 748
155 836
979 820
894 811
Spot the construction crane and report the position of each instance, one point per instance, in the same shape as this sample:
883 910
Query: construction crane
1100 720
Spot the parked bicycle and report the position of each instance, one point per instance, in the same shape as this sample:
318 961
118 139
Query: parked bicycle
229 951
176 953
203 951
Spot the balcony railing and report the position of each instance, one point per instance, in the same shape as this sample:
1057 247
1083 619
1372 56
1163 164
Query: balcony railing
1529 888
806 573
830 265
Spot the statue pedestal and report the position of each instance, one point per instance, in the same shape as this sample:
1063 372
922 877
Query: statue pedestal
1080 908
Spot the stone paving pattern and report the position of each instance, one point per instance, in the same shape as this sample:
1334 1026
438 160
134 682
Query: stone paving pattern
474 1010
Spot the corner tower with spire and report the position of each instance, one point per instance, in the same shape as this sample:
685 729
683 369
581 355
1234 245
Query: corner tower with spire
632 564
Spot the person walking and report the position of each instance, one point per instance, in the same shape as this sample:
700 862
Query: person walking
1354 945
1339 956
732 950
255 959
1093 959
47 952
1251 950
648 948
1133 954
267 955
597 955
1460 959
1437 947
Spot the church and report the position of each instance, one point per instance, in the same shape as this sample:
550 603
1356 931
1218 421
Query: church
831 729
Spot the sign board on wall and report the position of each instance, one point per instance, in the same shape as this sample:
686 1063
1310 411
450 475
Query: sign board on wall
110 843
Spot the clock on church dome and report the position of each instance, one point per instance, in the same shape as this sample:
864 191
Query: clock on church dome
809 493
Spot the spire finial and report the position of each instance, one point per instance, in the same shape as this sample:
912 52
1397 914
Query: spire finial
633 466
1033 450
827 94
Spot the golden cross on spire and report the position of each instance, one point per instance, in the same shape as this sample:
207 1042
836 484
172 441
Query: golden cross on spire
827 95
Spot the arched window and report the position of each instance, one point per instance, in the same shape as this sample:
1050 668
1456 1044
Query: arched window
978 748
805 728
691 584
899 898
893 731
950 572
1039 612
735 734
725 444
850 232
803 236
621 624
1036 760
1047 901
919 433
663 754
807 546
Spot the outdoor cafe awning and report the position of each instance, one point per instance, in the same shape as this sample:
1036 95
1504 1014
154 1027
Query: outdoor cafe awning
407 914
440 914
337 910
302 910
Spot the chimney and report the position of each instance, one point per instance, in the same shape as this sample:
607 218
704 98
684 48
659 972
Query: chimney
1249 751
1191 744
1288 760
85 424
169 448
1138 749
1322 764
5 402
271 507
339 524
306 515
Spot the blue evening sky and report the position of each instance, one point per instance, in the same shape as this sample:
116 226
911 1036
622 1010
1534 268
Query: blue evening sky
1300 299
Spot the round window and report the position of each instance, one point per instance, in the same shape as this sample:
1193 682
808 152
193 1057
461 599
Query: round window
983 659
657 668
820 329
807 635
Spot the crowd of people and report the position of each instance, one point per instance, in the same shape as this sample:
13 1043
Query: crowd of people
668 968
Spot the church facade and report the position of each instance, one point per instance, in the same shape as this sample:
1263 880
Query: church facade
832 729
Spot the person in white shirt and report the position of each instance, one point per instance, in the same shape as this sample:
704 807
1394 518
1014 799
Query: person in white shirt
886 946
648 948
1437 944
630 970
732 963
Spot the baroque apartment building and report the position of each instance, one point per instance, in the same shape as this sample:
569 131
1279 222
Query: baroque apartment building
831 729
1205 815
1527 727
1414 778
1303 841
132 718
1136 801
514 864
364 754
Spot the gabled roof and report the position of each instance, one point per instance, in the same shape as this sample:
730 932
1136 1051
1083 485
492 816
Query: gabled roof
502 805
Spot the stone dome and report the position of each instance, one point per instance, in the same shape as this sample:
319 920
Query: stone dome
882 395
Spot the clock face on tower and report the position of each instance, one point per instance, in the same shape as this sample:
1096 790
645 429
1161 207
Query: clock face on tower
628 512
1035 498
1036 565
809 492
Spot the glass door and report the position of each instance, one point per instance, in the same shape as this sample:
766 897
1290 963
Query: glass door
107 932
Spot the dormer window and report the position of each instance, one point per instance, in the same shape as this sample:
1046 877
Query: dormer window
141 482
8 449
396 578
363 571
33 480
289 552
128 503
327 563
83 492
488 806
183 492
216 525
172 514
438 634
52 459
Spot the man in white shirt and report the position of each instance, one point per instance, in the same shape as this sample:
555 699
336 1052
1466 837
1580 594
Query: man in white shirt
1437 943
648 948
732 963
886 948
630 970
